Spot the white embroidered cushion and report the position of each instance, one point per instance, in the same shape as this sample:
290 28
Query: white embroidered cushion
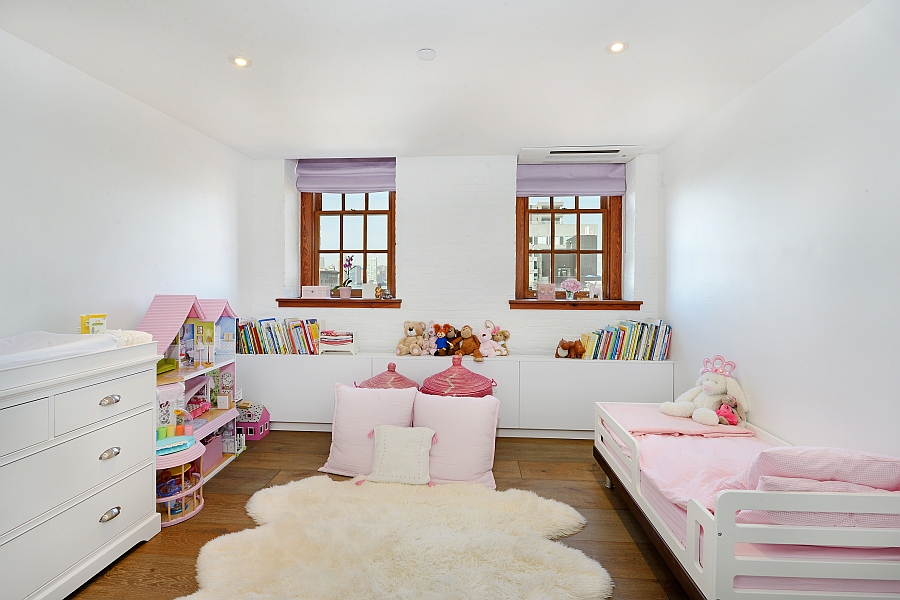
401 454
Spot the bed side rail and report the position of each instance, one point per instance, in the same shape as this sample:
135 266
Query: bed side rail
728 533
605 426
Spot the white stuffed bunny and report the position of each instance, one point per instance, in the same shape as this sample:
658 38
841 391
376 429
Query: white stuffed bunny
701 402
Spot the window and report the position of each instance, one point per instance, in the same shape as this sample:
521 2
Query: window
358 227
562 237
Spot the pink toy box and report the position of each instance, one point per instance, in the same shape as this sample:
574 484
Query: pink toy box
253 422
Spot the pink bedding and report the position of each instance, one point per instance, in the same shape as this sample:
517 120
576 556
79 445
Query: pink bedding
643 419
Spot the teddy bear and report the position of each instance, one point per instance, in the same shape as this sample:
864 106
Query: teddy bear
452 336
570 349
701 402
442 345
500 336
488 347
469 344
412 340
429 339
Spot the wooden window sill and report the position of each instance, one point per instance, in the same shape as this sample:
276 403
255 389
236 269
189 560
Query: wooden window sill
532 304
336 303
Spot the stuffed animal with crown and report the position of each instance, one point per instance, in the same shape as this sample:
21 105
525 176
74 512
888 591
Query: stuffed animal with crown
715 386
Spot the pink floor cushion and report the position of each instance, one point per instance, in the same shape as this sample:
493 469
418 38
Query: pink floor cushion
357 411
826 464
465 430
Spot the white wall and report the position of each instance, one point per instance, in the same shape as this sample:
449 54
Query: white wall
456 232
105 201
782 243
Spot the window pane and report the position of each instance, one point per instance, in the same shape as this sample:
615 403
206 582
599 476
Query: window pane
355 272
591 268
539 202
354 202
591 231
376 232
329 232
331 202
588 201
564 265
564 234
538 270
539 231
379 201
564 202
376 268
329 269
353 232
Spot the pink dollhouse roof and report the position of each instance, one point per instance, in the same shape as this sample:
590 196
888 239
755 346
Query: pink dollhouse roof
216 309
166 315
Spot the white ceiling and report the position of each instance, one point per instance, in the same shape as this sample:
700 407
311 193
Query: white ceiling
341 77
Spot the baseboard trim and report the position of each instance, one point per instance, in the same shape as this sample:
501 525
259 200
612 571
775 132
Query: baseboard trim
561 434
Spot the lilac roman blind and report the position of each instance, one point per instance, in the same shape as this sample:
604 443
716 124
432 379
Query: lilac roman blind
595 179
346 175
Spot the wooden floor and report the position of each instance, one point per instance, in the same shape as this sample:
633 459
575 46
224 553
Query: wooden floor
564 470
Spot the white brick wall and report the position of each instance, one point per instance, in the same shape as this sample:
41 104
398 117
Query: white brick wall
455 254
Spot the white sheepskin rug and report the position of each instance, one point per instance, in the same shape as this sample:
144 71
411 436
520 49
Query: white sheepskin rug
322 539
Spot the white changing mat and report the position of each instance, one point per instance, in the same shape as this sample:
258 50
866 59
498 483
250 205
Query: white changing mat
40 346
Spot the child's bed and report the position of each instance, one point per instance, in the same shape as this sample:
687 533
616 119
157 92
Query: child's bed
674 484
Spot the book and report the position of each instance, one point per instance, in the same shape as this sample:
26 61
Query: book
94 323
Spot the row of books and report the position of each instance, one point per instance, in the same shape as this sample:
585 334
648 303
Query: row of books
268 336
629 340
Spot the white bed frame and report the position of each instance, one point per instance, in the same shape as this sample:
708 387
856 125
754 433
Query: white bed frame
713 579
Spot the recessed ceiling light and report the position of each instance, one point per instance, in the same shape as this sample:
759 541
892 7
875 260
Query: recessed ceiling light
426 54
617 47
239 61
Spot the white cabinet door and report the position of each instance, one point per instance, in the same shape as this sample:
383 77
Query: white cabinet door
560 393
298 389
503 370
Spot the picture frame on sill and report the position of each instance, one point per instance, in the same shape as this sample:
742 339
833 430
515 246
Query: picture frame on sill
546 291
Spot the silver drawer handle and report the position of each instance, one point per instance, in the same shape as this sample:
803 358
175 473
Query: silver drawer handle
111 514
110 453
110 400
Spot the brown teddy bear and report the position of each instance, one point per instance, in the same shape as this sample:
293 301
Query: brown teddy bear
452 336
412 341
469 344
570 349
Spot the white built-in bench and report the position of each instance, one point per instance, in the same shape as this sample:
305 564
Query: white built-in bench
540 396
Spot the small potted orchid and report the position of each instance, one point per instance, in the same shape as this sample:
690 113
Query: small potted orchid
571 286
344 287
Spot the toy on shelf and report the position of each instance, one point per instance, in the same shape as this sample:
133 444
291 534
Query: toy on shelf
253 422
570 349
413 339
501 336
179 491
469 344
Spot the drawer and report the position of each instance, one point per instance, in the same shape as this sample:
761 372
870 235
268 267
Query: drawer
40 554
81 407
24 425
37 483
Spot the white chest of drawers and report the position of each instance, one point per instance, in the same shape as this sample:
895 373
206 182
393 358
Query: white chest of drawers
77 468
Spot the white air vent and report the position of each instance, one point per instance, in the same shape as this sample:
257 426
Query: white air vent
578 154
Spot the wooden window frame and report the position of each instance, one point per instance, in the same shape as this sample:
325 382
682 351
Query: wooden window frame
611 251
310 209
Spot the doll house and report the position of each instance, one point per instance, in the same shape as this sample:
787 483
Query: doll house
253 422
219 311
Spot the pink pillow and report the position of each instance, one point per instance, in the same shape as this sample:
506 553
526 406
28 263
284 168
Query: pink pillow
465 429
816 519
357 411
826 464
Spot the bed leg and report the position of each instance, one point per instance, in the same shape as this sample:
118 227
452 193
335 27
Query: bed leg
608 484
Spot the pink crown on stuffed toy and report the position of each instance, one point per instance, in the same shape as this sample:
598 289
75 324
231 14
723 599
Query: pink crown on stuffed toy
718 365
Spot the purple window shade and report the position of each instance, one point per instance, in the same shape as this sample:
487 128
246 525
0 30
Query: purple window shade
346 175
595 179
